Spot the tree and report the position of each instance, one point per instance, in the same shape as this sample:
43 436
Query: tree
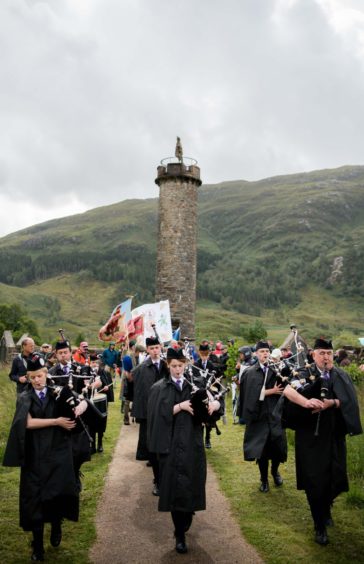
14 318
255 332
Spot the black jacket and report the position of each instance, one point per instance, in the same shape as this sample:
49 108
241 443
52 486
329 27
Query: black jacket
48 489
19 368
258 415
144 376
178 441
320 444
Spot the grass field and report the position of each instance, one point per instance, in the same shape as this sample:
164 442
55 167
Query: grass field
278 524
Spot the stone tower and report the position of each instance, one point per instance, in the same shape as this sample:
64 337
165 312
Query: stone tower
178 179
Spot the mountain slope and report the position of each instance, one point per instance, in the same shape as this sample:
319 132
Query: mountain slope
262 246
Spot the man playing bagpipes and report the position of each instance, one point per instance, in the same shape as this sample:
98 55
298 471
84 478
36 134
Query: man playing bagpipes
322 409
259 393
205 363
40 442
65 374
102 384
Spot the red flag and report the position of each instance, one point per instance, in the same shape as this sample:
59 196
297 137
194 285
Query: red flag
136 327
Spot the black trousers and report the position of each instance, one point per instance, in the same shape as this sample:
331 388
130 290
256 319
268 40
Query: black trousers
320 509
182 521
142 452
263 463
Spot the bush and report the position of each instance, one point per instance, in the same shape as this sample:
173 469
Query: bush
356 374
255 332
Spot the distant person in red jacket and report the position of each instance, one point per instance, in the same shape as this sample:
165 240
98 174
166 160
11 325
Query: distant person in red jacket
81 354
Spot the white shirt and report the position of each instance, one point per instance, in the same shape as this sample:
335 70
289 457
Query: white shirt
177 380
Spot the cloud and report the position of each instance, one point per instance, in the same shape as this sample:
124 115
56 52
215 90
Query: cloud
94 93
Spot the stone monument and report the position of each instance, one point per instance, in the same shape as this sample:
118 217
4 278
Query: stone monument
178 179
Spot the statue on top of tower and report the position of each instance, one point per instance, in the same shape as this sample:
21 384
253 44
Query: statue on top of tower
179 151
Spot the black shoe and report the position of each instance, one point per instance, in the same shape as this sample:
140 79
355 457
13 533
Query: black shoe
264 487
37 556
126 422
155 491
278 481
149 464
207 444
181 546
56 534
100 448
321 537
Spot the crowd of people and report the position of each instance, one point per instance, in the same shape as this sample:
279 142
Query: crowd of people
176 395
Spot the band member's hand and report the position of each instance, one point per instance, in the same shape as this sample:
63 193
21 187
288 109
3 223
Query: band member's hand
213 406
277 389
66 423
314 404
80 408
106 388
327 403
186 406
23 379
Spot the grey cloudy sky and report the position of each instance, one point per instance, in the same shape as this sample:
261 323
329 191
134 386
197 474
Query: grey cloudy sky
94 92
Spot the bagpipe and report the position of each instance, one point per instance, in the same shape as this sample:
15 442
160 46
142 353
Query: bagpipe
206 387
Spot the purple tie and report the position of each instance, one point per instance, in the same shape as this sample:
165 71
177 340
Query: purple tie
179 384
41 396
326 375
65 370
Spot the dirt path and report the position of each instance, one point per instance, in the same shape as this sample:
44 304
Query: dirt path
130 530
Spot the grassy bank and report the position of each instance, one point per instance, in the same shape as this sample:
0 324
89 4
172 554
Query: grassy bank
77 537
279 523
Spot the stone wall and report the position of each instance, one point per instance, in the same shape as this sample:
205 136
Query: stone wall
177 248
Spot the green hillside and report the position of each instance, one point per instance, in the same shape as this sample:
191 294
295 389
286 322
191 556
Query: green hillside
283 248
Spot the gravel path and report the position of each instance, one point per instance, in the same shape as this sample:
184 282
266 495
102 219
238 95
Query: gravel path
130 530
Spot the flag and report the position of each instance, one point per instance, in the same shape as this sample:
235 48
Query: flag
116 328
136 327
177 334
157 314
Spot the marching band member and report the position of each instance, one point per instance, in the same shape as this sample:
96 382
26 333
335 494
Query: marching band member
259 394
40 443
176 437
80 440
144 376
103 384
205 363
328 411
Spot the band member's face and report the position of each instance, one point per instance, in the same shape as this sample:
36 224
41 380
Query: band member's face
204 356
176 368
38 379
28 347
323 359
94 365
154 351
263 355
63 355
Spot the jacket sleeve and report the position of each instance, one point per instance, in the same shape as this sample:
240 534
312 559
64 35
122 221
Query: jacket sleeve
345 391
15 448
17 369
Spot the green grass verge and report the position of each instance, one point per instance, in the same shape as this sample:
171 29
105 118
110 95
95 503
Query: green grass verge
279 523
77 537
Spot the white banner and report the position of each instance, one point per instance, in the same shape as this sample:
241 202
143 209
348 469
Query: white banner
157 314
